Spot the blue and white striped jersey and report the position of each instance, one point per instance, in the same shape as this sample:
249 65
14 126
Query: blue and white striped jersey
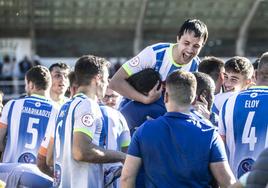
158 57
117 135
244 123
81 114
26 121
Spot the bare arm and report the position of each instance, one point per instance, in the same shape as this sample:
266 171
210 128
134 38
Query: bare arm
49 158
3 132
130 171
42 165
222 173
236 185
223 137
119 84
124 149
84 150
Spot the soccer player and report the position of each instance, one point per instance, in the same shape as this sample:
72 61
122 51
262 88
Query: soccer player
25 120
164 58
204 99
258 176
117 138
78 153
214 67
243 122
237 77
49 135
166 148
136 112
60 82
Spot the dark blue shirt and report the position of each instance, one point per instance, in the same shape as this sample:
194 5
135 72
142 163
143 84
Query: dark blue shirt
136 113
176 151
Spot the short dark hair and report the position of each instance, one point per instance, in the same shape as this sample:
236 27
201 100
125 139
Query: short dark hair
39 76
256 63
239 65
263 68
72 78
196 26
87 67
61 65
205 85
182 87
212 66
144 80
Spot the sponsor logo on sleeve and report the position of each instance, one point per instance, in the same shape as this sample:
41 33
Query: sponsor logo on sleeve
87 120
135 61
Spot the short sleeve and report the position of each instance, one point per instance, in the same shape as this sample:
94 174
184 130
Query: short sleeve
222 123
217 150
49 134
134 147
87 117
125 134
4 117
145 59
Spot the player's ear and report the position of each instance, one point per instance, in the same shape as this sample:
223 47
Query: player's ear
97 79
31 85
166 97
178 38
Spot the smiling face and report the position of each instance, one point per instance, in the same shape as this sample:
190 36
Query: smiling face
235 82
187 47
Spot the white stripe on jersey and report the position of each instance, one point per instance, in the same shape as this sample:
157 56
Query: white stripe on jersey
69 172
25 135
229 132
147 59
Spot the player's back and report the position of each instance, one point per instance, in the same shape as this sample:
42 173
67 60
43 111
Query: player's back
246 127
72 117
174 163
26 120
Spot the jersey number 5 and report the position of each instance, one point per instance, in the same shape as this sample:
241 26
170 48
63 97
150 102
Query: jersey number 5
33 131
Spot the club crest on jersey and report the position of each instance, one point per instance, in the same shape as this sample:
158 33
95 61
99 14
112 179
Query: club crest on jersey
253 95
37 104
87 120
245 166
134 61
27 158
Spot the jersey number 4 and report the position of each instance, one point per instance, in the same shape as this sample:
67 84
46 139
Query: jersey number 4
249 133
33 131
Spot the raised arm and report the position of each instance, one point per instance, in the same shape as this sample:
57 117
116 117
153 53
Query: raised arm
119 84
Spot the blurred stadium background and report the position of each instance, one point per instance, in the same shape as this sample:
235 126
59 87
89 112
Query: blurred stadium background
53 30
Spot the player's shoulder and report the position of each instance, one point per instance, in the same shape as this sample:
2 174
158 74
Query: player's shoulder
222 97
160 46
110 112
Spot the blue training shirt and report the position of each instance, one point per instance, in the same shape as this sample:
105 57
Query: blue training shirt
181 148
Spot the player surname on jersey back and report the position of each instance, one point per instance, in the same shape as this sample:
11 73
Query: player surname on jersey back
35 111
251 103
